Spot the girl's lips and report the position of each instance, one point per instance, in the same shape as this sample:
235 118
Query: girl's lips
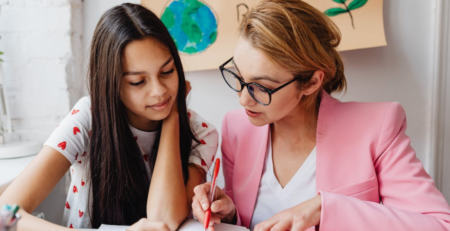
252 113
160 106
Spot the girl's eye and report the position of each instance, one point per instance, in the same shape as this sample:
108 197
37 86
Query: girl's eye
168 72
136 84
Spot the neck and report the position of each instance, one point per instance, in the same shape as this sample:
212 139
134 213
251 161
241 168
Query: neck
294 127
142 124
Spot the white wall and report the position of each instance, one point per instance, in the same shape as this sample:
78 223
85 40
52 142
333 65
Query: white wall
41 40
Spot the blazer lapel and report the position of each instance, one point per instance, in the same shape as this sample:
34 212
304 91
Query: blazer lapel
324 162
252 157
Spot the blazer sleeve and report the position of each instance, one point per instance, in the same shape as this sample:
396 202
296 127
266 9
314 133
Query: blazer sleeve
409 198
228 157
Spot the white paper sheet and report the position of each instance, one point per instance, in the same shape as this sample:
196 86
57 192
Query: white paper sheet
113 227
195 225
188 225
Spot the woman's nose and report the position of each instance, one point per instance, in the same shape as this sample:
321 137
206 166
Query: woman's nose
245 99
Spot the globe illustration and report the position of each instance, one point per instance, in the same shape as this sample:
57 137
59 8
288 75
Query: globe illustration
192 25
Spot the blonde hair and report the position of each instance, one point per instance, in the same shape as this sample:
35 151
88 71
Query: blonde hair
299 38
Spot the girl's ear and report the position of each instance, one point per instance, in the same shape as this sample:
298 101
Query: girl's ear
314 83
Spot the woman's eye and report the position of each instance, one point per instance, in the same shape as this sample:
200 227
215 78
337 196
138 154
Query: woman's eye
168 72
136 84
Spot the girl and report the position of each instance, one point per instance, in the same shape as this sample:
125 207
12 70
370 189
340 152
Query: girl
132 147
296 157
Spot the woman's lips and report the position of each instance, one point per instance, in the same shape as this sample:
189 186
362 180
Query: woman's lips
160 106
252 113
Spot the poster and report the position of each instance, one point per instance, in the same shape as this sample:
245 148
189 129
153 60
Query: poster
205 31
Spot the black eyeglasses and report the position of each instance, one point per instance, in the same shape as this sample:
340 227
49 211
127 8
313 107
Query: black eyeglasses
259 93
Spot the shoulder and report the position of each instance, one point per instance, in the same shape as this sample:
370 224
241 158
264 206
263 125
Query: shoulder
364 112
236 123
203 153
199 124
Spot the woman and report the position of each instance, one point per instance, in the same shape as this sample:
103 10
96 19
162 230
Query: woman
133 149
296 157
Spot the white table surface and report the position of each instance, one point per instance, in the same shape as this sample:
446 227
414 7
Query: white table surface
11 168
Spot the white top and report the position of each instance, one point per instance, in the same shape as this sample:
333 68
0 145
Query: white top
272 198
71 139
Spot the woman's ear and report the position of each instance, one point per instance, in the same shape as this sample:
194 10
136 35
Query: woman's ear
314 83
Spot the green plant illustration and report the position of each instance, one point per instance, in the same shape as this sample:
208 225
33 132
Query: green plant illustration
1 53
355 4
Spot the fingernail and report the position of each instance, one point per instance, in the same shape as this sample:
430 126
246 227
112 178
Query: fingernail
204 206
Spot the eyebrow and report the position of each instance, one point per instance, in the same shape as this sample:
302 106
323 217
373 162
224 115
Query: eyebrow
256 78
144 72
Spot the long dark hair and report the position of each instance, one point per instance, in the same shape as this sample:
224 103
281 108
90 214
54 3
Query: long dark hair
119 181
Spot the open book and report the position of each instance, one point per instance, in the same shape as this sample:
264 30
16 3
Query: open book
188 225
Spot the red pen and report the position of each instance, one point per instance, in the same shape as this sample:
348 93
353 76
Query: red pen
211 194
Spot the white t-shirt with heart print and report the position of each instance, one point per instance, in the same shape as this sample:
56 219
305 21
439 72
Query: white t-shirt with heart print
71 139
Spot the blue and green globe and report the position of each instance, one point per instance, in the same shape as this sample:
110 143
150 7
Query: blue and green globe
192 25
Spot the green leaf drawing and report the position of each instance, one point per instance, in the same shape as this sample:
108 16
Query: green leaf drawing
1 53
334 11
355 4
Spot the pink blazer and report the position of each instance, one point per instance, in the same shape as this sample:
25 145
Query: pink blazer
363 158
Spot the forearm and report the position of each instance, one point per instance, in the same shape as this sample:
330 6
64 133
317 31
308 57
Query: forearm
167 199
30 222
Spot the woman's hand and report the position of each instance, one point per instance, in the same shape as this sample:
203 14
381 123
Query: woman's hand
146 225
297 218
222 209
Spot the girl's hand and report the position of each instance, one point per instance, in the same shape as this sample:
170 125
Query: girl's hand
145 225
188 87
222 209
297 218
173 116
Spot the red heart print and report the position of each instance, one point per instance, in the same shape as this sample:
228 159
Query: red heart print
82 182
204 125
203 163
62 145
72 170
212 158
84 154
76 156
189 114
145 157
75 111
80 213
67 205
202 142
79 161
75 130
75 190
71 226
